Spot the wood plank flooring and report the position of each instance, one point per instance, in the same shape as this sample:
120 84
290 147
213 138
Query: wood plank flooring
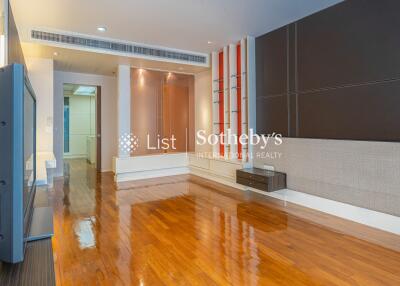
184 230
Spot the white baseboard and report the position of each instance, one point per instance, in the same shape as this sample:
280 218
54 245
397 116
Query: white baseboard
77 156
133 176
206 174
379 220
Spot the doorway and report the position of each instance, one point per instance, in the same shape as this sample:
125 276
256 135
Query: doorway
82 123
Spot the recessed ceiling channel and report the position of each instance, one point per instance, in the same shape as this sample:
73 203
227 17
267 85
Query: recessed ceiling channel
130 49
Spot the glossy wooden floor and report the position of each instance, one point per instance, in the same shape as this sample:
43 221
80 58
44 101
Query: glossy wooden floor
184 230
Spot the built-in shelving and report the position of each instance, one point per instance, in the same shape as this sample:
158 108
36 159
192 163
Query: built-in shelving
230 111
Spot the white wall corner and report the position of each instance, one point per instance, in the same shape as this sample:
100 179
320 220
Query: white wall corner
226 97
3 32
41 76
204 108
251 87
233 108
124 105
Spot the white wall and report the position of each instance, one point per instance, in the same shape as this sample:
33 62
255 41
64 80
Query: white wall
109 140
40 72
82 124
3 25
124 104
203 107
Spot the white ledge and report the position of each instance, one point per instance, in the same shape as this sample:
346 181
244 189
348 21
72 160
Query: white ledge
44 161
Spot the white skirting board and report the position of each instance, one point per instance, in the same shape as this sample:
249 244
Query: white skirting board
150 166
151 174
382 221
223 171
364 216
206 174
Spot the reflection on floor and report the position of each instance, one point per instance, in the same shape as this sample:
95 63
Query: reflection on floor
184 230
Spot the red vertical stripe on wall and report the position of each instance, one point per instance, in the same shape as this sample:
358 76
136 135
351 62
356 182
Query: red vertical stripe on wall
221 98
239 97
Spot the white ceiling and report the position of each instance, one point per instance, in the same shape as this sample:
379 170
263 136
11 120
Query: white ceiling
181 24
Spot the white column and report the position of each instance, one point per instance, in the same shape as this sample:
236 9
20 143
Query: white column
124 107
233 119
226 99
243 95
3 32
2 50
41 75
251 87
215 97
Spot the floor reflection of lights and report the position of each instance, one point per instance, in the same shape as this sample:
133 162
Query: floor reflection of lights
84 232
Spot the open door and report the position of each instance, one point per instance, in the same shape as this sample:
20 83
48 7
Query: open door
98 129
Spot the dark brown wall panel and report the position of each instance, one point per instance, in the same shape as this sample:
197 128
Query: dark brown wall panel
271 55
271 115
340 68
354 42
367 112
272 79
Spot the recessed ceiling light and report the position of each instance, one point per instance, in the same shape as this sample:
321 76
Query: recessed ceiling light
101 29
209 42
55 54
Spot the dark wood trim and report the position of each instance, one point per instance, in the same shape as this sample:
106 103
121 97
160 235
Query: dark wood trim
98 129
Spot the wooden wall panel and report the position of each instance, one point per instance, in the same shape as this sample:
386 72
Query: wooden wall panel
176 114
340 68
365 112
350 43
272 115
271 58
272 82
